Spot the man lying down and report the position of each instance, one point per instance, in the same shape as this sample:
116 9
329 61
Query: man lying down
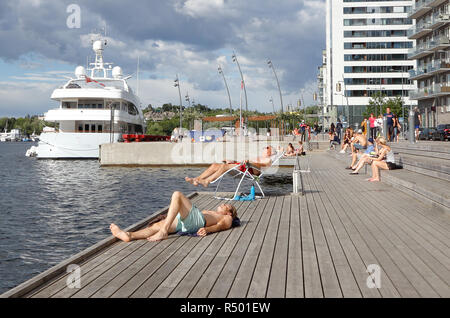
183 217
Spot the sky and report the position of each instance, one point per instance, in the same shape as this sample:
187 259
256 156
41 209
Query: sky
43 41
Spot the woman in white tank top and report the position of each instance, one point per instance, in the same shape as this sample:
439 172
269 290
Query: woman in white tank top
385 160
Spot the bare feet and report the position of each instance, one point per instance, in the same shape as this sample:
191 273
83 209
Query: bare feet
204 183
120 234
161 235
192 181
373 180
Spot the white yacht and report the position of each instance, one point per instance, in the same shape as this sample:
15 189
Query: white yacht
93 109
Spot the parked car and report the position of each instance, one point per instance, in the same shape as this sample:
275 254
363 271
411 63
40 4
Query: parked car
426 133
442 132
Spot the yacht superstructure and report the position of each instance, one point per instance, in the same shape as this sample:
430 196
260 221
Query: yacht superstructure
94 109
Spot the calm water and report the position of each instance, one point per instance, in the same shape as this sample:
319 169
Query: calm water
53 209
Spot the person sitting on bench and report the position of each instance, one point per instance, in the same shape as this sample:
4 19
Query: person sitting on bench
385 160
183 217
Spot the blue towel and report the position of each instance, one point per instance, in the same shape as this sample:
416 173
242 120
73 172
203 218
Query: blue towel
249 197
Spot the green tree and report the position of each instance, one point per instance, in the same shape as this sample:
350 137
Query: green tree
380 101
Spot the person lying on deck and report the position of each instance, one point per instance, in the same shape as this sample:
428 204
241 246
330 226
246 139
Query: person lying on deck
183 217
217 169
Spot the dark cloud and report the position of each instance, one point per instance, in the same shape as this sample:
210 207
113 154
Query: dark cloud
290 32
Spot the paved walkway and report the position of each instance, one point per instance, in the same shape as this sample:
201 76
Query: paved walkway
318 245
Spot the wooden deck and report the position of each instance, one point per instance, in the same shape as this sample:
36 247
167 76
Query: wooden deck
317 245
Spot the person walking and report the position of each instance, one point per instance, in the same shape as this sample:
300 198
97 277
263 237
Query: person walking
372 126
417 122
339 129
389 124
364 127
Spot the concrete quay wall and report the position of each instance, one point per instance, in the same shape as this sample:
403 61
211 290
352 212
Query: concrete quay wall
183 153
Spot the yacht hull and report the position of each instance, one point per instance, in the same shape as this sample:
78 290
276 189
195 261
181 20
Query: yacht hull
72 145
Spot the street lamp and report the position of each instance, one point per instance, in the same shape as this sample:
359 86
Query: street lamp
188 99
177 84
273 106
226 86
234 57
269 62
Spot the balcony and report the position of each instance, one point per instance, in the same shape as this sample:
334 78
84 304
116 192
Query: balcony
439 43
419 51
419 31
435 3
434 68
420 72
420 8
432 91
439 20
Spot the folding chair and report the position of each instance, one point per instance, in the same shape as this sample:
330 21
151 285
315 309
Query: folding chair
245 171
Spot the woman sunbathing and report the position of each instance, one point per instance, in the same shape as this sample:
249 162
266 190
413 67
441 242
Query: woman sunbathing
217 169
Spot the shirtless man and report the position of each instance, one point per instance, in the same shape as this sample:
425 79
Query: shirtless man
185 217
358 144
217 169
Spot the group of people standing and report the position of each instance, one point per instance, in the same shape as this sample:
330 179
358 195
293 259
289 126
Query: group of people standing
374 126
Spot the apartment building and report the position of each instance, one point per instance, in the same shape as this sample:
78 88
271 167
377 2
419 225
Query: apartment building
367 51
432 53
326 115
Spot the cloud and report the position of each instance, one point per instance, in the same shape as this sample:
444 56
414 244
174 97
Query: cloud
186 37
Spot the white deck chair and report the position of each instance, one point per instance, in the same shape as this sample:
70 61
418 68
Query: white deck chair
235 172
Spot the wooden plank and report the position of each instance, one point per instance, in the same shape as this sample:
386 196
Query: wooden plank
153 261
277 279
166 288
330 282
231 267
53 280
392 231
294 280
260 279
246 270
151 283
112 280
312 279
347 235
189 281
59 283
358 209
419 241
347 282
87 278
230 233
395 279
358 238
209 277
